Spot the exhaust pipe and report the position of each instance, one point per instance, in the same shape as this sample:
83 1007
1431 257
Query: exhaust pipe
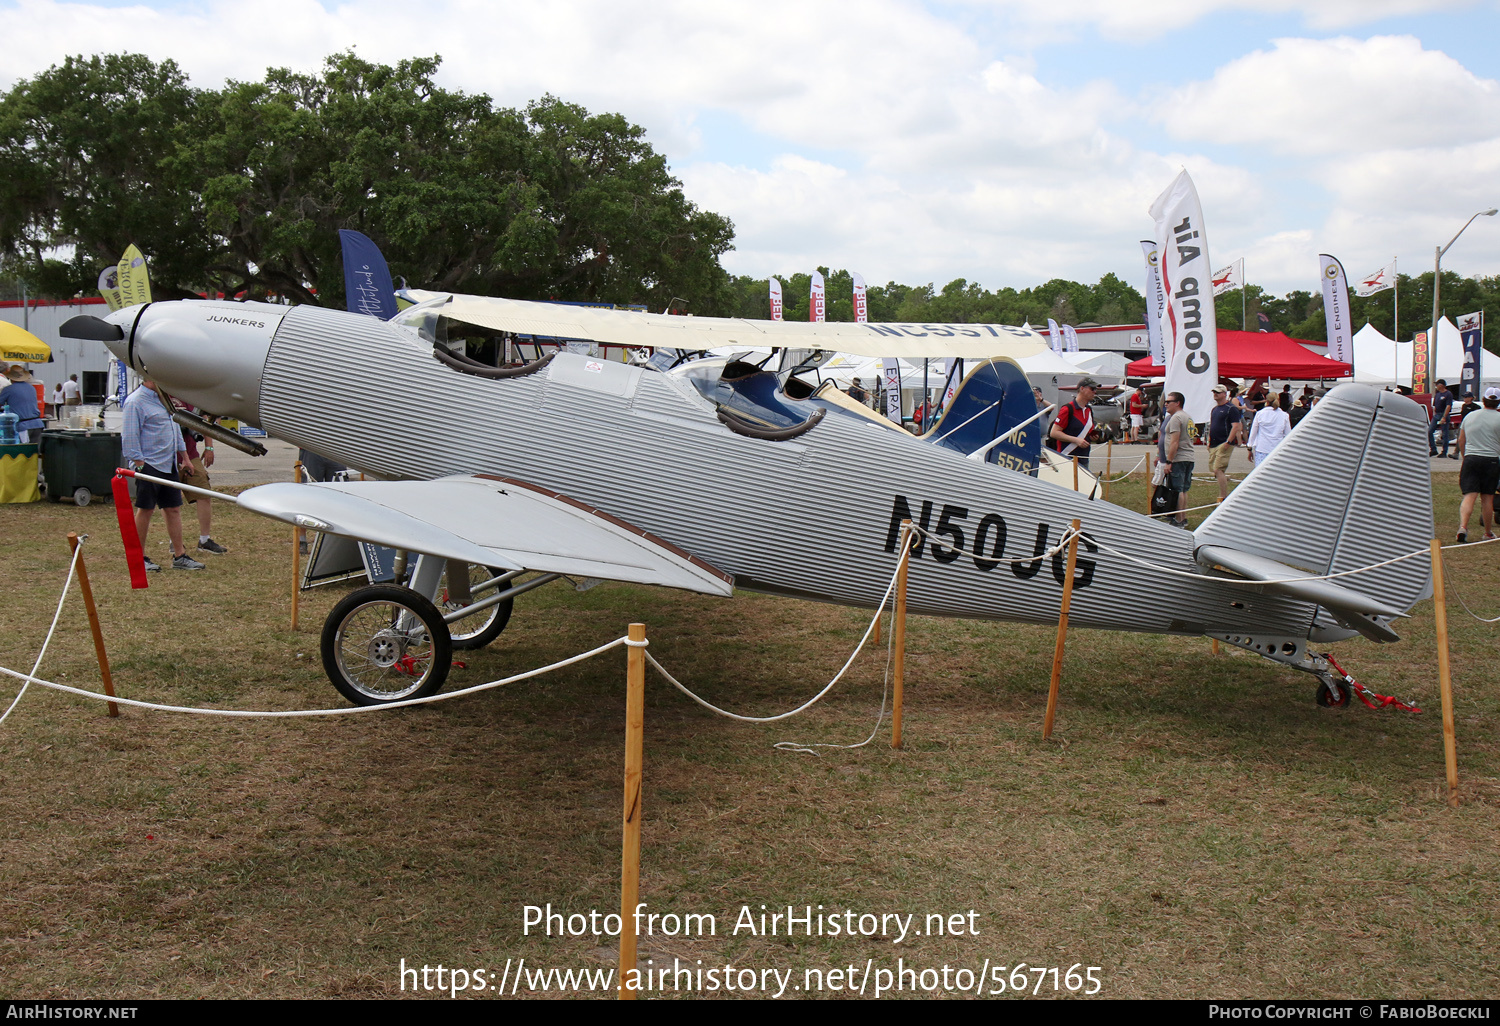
214 431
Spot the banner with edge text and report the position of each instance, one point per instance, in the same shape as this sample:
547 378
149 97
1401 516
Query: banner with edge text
1070 338
1189 332
1336 308
861 300
134 278
890 369
1054 336
367 280
1471 331
817 296
1156 302
775 287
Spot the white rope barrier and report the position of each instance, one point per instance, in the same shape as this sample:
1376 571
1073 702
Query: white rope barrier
1452 584
1132 470
350 711
62 600
1189 509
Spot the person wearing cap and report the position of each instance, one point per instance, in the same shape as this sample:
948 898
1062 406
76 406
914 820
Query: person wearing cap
1442 404
1226 430
1479 473
1069 434
20 396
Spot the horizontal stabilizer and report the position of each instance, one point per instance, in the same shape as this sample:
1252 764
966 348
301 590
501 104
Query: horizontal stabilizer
489 521
1350 607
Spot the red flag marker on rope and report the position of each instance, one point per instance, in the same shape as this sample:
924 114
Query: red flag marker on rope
135 556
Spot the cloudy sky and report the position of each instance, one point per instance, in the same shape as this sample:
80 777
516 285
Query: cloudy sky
1002 141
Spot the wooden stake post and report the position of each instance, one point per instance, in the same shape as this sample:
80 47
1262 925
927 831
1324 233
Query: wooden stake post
1445 685
1109 462
630 857
898 636
88 604
296 551
1062 632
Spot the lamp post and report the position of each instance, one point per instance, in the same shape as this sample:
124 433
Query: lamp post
1437 277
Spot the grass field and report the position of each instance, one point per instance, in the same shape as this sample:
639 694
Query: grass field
1197 827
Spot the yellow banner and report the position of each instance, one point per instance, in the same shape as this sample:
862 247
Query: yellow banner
109 287
135 282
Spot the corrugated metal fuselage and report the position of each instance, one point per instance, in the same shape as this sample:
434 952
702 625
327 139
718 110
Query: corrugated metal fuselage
813 517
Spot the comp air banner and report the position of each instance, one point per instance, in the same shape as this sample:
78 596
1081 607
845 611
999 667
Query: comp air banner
816 299
1188 327
1471 330
1336 308
861 303
1054 336
775 285
890 369
367 280
1156 303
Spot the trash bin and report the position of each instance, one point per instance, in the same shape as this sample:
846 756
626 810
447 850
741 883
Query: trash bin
79 465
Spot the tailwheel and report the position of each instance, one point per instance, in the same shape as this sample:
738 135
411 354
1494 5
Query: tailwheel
1333 694
483 627
386 643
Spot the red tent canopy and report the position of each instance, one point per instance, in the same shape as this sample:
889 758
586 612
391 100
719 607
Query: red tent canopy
1258 354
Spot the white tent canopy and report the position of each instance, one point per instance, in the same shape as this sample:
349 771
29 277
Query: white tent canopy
1381 361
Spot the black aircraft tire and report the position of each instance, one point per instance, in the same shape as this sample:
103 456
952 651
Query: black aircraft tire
373 659
1325 696
467 635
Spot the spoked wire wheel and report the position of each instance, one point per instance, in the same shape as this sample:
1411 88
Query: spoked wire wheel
483 627
386 643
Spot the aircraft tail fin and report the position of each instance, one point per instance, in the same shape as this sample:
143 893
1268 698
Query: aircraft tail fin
1349 487
992 399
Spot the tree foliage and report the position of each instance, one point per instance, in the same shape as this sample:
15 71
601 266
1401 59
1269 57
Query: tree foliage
244 189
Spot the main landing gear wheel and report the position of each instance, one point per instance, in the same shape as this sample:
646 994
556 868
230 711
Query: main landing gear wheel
483 627
386 643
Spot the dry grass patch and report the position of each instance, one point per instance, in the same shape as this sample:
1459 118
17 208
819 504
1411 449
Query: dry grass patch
1198 827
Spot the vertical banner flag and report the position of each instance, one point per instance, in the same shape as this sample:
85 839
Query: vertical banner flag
109 287
775 299
367 280
1421 367
133 278
1471 330
1377 281
861 303
955 377
816 299
1336 308
1054 336
1230 278
890 369
1189 331
1156 303
1070 336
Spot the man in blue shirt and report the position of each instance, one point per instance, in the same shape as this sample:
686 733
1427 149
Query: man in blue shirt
152 443
20 395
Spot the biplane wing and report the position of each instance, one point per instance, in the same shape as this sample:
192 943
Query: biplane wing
489 521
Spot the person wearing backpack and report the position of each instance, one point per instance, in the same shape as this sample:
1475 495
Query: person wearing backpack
1069 434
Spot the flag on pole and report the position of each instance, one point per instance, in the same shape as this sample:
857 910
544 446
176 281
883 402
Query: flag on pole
1471 331
1336 308
816 298
1377 281
861 304
1054 336
1070 338
775 299
1156 303
1230 278
1189 331
954 379
891 370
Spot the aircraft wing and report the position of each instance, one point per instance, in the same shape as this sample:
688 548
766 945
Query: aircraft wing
632 328
491 521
